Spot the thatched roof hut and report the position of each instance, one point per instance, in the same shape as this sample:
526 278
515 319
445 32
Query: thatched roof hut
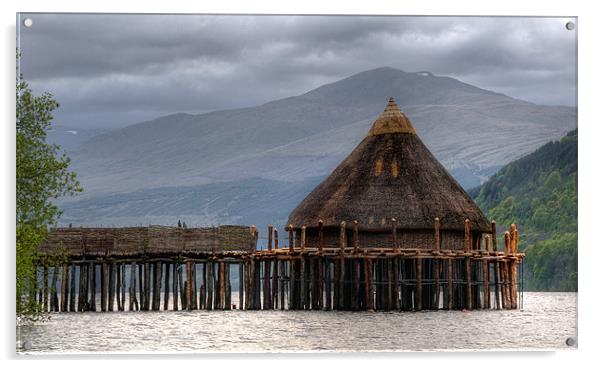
391 175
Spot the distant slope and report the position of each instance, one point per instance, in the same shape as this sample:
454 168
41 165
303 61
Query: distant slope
539 193
471 130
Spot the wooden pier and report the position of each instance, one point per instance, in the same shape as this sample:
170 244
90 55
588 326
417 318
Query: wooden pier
164 268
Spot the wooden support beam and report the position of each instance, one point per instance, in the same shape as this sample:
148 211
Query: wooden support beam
209 305
486 292
64 287
72 269
450 285
418 295
291 239
437 270
118 286
356 284
437 234
228 287
45 288
303 230
275 283
188 285
166 286
270 232
92 278
369 285
320 236
241 284
222 285
467 236
496 266
123 276
133 302
267 297
327 285
394 233
53 292
356 237
468 263
275 237
104 278
396 289
111 286
304 303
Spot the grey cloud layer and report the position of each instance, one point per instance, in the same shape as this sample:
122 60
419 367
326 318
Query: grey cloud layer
118 69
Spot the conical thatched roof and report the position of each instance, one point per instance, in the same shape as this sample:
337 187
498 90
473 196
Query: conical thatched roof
390 174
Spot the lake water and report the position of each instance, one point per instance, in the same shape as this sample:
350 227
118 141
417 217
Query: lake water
545 323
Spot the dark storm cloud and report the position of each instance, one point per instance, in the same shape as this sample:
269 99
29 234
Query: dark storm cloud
119 69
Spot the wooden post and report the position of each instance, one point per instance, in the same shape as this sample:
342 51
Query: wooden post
111 286
486 291
92 278
275 283
496 267
270 230
342 240
467 236
80 289
64 287
166 290
356 237
302 284
123 286
53 292
369 286
389 303
210 285
45 288
132 289
275 237
118 287
241 285
320 286
394 232
450 286
72 288
419 283
303 230
437 266
141 284
437 235
103 286
281 283
188 285
228 286
468 261
327 285
291 239
292 305
267 297
222 285
320 236
396 290
356 283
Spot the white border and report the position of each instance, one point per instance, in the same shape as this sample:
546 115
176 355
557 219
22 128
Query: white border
589 152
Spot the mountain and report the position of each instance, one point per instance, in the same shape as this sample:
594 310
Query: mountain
539 193
70 138
296 141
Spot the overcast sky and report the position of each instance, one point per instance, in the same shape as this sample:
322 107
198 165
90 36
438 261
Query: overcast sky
116 70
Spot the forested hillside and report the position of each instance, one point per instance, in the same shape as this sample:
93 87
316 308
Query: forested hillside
539 193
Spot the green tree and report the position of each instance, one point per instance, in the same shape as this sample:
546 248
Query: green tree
42 175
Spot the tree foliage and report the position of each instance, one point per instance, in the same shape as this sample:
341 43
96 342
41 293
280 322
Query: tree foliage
539 193
42 175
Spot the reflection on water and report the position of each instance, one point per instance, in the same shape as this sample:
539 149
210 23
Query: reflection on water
547 320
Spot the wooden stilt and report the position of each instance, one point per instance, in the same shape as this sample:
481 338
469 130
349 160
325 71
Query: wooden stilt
450 286
45 288
270 230
418 301
64 287
118 286
222 285
53 291
92 278
267 297
103 286
241 284
166 286
275 237
320 236
356 284
228 287
111 286
282 284
275 283
72 270
468 263
369 285
303 284
437 266
291 239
